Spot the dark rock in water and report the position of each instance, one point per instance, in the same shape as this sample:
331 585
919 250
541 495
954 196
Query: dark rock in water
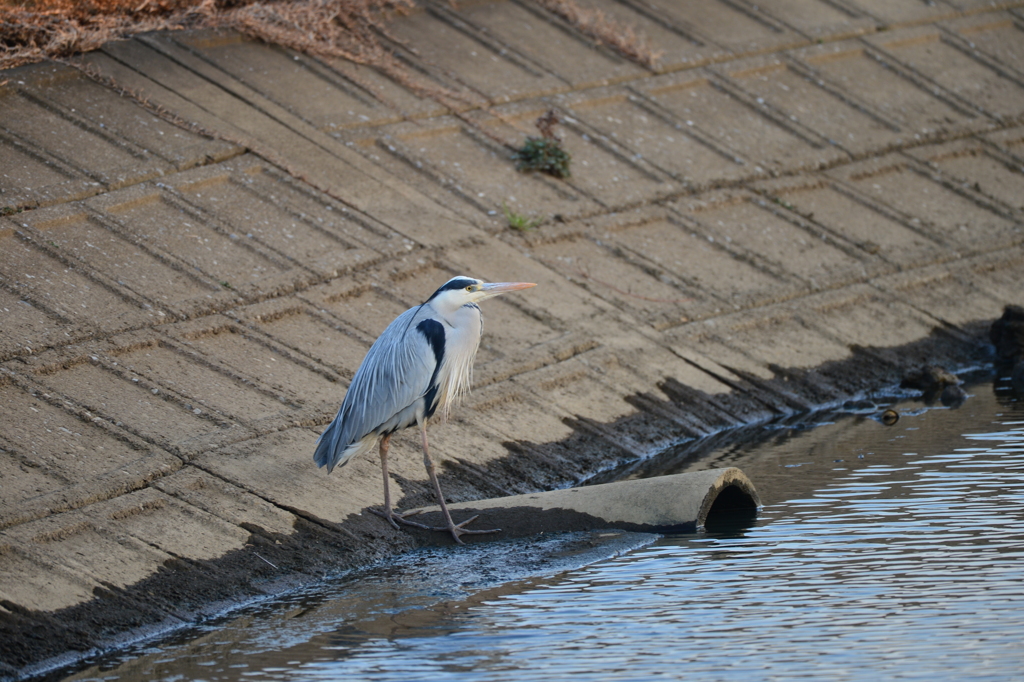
1017 378
929 378
1007 334
953 396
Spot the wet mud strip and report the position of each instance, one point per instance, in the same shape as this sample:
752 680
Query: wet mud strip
271 563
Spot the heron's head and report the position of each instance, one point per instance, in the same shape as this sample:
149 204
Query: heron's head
460 291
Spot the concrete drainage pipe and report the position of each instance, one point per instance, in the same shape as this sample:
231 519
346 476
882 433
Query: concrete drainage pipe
666 504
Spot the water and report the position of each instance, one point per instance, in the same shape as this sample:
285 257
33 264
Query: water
892 552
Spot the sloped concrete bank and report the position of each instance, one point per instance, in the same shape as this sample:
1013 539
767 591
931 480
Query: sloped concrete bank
201 235
272 562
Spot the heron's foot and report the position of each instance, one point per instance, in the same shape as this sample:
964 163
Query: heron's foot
457 530
395 518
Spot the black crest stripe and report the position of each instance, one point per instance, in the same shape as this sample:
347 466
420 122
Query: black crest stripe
457 283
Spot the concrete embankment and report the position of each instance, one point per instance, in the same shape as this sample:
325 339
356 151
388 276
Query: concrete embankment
793 207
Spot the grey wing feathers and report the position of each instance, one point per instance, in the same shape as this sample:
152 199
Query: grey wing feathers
394 374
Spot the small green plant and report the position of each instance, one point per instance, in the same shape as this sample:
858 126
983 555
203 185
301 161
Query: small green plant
544 153
10 210
518 221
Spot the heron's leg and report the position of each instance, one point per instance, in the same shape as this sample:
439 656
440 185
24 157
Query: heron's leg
393 517
455 529
385 442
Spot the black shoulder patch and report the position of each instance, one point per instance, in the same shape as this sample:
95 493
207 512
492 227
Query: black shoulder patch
456 283
433 332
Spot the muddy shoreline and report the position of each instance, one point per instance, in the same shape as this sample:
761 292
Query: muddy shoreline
185 592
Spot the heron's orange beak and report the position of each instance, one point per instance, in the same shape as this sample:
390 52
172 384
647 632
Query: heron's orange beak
495 288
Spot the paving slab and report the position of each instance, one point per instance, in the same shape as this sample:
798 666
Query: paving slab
892 14
275 467
546 41
644 130
307 88
999 274
202 237
89 150
676 245
883 238
970 163
1009 141
71 460
216 496
996 35
44 277
610 175
296 324
982 282
256 209
28 326
256 361
133 535
74 95
734 123
818 19
963 75
155 215
448 42
950 213
96 240
68 137
893 95
30 176
595 266
868 318
737 29
160 417
780 241
830 115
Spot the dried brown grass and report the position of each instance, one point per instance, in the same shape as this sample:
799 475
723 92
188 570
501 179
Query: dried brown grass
31 30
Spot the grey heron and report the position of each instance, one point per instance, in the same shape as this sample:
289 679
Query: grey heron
422 362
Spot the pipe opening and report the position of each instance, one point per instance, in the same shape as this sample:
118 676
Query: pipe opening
733 511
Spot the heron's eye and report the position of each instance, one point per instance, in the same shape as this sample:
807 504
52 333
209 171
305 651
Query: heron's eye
469 288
